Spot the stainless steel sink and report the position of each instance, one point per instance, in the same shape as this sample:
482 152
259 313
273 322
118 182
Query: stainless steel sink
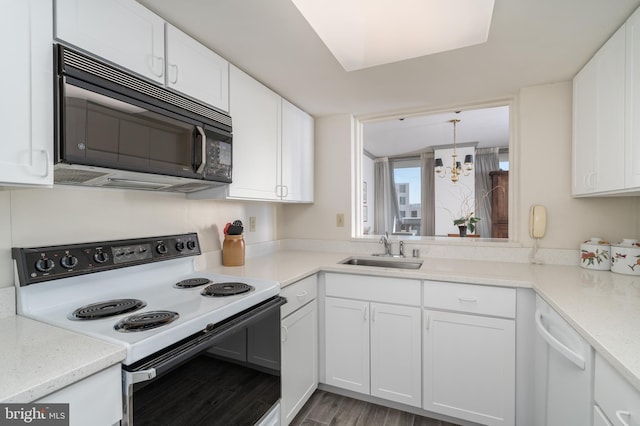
383 263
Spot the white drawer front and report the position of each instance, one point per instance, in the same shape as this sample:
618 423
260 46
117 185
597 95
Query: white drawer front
476 299
298 294
619 401
375 289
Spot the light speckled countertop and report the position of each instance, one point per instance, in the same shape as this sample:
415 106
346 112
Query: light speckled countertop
37 359
602 306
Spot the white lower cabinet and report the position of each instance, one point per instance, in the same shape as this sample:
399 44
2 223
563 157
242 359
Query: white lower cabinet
372 347
347 344
96 400
617 402
299 336
395 353
469 359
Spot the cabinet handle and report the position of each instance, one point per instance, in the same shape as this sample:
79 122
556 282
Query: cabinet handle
175 67
46 162
467 299
286 191
285 334
159 59
624 413
427 322
373 313
557 345
302 295
365 312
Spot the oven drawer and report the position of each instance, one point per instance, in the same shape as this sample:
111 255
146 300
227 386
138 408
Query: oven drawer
299 294
474 299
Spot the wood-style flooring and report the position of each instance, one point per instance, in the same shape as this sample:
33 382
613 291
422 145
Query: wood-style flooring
324 408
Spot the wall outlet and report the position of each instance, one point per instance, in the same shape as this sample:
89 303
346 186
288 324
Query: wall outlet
340 220
252 224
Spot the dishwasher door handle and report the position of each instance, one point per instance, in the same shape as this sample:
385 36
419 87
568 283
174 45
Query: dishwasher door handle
557 345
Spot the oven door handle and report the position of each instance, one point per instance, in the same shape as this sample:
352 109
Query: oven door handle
190 347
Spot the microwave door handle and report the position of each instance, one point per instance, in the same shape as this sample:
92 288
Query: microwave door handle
203 147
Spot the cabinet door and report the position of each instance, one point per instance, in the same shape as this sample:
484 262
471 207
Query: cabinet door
26 104
599 102
632 142
95 400
469 367
196 71
396 353
296 156
347 344
299 359
599 419
135 43
256 134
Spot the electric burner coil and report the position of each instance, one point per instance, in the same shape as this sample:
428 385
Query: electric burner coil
108 308
192 282
146 321
226 289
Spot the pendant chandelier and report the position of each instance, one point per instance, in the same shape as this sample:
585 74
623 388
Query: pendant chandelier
456 169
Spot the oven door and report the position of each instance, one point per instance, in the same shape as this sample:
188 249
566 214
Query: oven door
211 378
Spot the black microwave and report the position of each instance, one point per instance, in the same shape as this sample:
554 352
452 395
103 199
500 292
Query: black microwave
114 129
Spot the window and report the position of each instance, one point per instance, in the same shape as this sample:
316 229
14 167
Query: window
403 201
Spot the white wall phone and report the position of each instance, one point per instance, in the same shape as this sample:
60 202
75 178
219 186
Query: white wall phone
537 221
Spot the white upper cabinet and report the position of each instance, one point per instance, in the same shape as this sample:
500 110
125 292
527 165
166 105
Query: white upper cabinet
606 117
632 140
138 43
256 114
598 120
26 104
195 70
120 31
272 145
296 157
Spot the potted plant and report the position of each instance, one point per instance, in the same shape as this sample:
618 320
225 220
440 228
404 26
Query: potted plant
465 223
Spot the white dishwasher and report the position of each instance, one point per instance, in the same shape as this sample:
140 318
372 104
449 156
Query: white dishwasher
564 371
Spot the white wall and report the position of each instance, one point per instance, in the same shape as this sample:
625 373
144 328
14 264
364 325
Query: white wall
542 172
37 217
333 179
544 166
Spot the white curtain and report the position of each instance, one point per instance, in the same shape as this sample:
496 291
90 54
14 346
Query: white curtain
486 161
386 201
428 200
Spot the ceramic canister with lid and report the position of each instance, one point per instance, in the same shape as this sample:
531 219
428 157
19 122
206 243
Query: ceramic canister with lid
625 257
595 254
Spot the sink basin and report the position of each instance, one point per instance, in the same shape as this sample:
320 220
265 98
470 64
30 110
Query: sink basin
383 263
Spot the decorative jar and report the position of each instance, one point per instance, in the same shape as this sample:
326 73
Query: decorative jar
595 254
625 257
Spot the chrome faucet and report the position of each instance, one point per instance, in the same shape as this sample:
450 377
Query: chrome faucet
387 244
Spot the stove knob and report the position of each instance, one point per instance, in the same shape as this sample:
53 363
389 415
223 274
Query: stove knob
191 245
180 246
162 248
45 264
68 261
101 257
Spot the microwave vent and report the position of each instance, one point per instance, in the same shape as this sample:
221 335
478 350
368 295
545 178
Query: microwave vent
111 74
74 176
189 187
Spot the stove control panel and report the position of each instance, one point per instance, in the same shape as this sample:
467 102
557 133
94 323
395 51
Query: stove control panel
39 264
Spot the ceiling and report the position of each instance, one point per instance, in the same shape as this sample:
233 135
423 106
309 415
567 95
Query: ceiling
530 42
486 127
